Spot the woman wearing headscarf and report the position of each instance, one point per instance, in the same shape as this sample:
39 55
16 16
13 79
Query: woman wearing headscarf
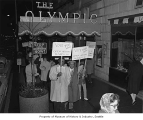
109 103
73 86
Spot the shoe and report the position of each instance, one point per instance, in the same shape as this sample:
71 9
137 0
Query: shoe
72 110
133 103
85 99
65 106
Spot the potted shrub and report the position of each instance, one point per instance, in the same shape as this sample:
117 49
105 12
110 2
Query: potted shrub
33 98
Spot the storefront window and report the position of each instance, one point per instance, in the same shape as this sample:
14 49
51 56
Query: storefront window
125 52
139 3
122 51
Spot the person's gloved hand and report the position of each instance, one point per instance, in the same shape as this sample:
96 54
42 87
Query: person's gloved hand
59 74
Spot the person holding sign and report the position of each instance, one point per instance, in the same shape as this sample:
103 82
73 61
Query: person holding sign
73 86
60 79
81 74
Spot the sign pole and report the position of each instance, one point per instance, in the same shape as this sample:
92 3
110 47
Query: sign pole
78 68
60 68
85 63
19 68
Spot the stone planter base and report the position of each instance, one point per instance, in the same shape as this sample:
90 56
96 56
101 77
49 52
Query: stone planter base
34 105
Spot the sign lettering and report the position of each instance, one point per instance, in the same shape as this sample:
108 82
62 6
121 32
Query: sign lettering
80 53
61 49
40 48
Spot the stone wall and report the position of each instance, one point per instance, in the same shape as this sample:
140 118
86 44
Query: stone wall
105 9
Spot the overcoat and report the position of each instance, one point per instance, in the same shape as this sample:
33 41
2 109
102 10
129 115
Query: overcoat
73 87
59 85
135 74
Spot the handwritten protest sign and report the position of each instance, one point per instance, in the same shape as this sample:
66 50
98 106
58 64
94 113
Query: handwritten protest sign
79 53
61 49
40 48
90 52
91 44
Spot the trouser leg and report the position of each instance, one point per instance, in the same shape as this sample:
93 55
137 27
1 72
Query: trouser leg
89 78
66 103
79 91
70 105
56 107
84 90
62 107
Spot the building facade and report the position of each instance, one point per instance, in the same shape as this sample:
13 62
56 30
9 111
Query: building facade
112 14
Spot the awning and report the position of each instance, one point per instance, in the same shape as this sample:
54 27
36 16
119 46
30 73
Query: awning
55 27
126 24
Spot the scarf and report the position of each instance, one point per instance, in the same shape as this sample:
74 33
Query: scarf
105 103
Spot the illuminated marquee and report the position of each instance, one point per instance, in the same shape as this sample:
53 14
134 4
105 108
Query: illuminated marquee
76 16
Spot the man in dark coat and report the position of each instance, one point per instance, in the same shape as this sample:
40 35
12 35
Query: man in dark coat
73 86
135 74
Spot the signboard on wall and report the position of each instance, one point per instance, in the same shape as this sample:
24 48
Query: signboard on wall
25 44
80 53
19 61
62 48
40 48
99 59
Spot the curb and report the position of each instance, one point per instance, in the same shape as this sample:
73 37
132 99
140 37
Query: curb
140 97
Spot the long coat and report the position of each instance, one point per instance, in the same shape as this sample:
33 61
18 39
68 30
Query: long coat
135 74
59 85
73 87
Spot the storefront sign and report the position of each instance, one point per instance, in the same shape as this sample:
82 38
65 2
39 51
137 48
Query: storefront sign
76 17
25 44
61 49
91 44
18 61
138 19
46 5
99 61
30 43
80 53
40 48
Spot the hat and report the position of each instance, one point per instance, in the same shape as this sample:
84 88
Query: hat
71 61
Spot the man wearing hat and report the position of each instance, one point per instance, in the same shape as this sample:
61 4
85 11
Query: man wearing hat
73 86
60 79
